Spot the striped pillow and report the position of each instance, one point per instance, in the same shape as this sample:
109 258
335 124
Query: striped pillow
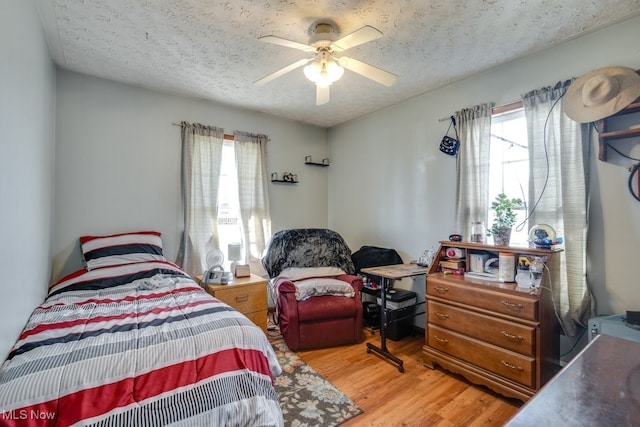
115 249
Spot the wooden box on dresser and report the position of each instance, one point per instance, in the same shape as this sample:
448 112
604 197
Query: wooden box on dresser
491 332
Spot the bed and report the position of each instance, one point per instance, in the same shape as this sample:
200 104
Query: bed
137 343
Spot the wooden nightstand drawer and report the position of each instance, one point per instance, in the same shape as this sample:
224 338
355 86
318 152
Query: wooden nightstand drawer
248 295
509 335
259 318
245 299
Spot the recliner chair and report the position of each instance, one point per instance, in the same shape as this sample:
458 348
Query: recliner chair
312 311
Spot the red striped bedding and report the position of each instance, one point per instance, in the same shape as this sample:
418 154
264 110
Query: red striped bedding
139 344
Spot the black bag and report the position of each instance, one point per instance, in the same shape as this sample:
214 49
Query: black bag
450 145
373 256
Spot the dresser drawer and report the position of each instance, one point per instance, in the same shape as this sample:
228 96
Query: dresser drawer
503 362
245 299
484 298
509 335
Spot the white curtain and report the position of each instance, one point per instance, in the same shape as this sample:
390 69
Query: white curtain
474 130
558 196
255 217
201 159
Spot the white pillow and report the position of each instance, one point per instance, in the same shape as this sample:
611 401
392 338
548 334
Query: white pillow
297 273
308 288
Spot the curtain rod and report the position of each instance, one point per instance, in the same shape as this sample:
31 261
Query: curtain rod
226 136
495 110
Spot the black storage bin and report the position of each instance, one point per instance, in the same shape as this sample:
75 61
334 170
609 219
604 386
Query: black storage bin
398 329
399 316
400 319
371 315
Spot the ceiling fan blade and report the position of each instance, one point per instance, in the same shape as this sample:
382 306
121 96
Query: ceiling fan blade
358 37
282 71
322 94
287 43
369 71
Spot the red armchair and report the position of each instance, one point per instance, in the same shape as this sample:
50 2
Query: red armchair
319 321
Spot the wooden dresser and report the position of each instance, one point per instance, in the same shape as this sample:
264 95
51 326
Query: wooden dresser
491 332
248 295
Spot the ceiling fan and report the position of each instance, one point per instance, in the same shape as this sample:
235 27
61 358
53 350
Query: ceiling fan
324 67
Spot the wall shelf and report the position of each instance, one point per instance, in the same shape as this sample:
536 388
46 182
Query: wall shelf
316 164
310 162
287 178
608 134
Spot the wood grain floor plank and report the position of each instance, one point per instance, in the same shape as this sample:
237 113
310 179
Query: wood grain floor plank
418 397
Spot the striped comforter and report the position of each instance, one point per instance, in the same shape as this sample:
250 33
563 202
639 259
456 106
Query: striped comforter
138 345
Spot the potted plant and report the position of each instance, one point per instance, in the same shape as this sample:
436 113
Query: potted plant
505 218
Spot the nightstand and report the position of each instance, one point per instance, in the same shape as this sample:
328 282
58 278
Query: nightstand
248 295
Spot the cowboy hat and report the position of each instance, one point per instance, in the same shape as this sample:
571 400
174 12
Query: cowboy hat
601 93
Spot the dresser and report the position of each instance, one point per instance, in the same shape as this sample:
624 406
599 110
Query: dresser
491 332
248 295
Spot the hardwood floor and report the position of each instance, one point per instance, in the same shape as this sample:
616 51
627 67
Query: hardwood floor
418 397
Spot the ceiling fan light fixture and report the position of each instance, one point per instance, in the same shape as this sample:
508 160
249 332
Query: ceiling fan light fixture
323 73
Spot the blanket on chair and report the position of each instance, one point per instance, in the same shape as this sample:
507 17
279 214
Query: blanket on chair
306 247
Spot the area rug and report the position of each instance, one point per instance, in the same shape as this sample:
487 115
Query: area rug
306 398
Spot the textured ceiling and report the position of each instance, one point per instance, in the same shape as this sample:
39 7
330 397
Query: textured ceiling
210 49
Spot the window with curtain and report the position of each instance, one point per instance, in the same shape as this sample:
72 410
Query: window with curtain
224 196
556 153
509 167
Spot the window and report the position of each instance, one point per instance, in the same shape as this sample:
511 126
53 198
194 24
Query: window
551 167
225 195
509 167
228 204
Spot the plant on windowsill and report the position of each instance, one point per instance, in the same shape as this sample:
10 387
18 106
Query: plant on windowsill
504 220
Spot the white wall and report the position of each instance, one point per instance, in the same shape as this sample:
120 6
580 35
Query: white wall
118 163
390 186
27 92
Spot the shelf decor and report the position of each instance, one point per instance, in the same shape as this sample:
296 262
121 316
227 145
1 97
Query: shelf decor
287 178
309 161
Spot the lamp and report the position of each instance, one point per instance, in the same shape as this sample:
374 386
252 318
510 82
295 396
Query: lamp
324 70
234 255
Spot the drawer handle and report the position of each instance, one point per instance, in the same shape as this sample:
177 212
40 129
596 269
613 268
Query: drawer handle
511 337
441 340
511 306
442 316
242 298
510 366
441 290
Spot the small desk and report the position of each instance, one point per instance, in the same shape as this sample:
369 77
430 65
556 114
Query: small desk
395 272
599 387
